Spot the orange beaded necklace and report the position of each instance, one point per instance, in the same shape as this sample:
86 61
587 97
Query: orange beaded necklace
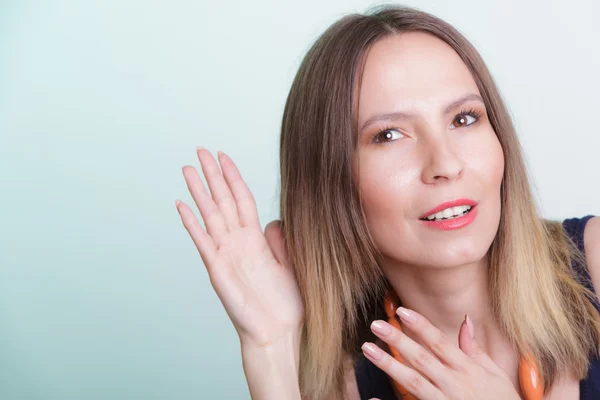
531 385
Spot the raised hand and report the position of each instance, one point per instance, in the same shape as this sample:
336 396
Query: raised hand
248 270
447 372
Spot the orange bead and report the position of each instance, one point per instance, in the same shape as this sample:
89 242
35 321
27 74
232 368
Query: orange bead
391 303
529 378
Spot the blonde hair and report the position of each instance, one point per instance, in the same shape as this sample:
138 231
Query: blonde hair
536 298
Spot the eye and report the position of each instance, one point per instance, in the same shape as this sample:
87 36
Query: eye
463 118
387 135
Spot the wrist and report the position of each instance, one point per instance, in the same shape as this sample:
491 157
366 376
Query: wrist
271 368
279 339
287 343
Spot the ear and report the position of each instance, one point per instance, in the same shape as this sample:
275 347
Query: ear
276 241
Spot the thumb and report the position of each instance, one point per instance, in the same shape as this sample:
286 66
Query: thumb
468 344
276 241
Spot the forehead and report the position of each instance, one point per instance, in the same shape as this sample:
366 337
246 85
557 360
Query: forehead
412 70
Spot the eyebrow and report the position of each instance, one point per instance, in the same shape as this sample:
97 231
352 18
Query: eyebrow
398 115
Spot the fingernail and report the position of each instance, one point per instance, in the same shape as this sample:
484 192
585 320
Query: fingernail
177 203
371 351
406 315
470 326
198 148
380 327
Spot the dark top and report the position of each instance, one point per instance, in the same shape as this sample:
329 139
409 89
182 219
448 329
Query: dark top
373 382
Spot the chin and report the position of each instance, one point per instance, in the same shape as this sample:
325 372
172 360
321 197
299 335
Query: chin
455 257
455 254
464 249
441 255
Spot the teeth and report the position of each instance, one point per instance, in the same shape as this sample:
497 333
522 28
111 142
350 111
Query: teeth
449 213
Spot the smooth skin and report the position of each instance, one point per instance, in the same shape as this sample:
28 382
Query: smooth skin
439 275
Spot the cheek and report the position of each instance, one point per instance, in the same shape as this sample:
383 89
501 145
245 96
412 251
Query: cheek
384 184
486 161
485 170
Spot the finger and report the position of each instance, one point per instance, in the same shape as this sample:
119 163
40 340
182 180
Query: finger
468 344
275 240
218 188
435 340
210 212
465 341
410 379
245 203
204 243
416 355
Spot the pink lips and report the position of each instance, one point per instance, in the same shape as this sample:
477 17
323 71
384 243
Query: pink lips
453 203
453 223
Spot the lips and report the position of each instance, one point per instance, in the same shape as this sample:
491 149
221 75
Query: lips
453 203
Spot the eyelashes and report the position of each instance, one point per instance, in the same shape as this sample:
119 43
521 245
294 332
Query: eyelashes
470 112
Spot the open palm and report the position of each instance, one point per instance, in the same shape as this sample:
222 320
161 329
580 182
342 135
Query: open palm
248 269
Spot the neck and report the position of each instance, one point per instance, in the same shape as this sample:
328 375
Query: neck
445 295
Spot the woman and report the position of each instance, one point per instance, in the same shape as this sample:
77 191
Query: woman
401 179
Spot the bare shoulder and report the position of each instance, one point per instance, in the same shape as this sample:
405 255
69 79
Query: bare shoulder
591 242
351 392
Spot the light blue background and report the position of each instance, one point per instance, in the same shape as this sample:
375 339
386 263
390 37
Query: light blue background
102 293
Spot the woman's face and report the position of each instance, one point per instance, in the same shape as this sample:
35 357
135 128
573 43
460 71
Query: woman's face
410 165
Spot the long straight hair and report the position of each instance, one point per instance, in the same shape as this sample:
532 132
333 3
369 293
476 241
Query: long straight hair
542 308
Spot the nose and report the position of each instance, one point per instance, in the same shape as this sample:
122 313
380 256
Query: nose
441 162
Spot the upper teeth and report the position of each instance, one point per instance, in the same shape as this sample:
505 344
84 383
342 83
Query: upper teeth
449 212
